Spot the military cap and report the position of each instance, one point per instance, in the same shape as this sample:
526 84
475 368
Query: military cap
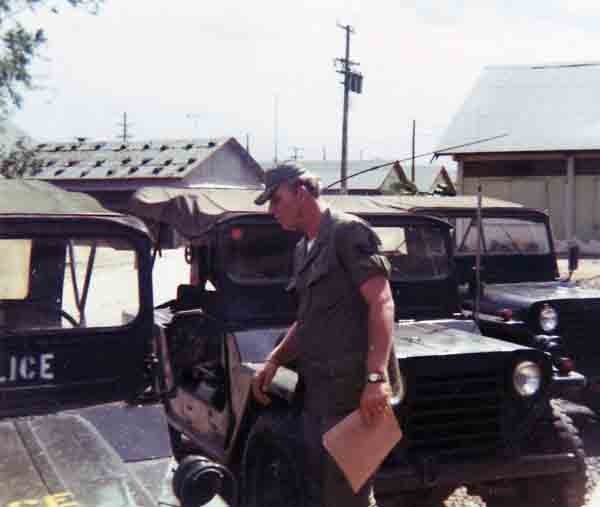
283 173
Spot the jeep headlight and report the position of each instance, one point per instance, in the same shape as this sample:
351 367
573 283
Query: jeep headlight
527 378
548 319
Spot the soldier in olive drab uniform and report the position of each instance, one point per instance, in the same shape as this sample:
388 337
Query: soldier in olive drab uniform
342 336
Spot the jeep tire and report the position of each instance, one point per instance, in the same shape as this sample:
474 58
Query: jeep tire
272 473
554 433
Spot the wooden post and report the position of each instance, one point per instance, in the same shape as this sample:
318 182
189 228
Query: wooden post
569 218
460 176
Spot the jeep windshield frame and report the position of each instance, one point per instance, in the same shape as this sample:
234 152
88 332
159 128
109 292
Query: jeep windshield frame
430 291
516 245
51 357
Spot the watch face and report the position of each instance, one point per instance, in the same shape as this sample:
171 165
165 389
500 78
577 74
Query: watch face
375 377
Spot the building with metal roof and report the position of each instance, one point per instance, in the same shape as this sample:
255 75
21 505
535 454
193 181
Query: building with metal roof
542 125
112 171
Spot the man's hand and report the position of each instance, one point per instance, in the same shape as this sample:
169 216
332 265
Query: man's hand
375 402
262 380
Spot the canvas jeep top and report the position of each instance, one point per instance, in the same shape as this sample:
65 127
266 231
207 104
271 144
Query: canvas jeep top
474 410
68 269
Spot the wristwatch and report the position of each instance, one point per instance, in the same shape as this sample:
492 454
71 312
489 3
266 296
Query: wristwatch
375 376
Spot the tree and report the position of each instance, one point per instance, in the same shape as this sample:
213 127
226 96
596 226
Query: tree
20 45
21 160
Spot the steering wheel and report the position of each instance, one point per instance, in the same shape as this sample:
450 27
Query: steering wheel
55 309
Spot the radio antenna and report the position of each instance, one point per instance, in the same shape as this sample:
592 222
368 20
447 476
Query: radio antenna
436 153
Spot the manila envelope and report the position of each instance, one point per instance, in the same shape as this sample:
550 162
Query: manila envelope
359 449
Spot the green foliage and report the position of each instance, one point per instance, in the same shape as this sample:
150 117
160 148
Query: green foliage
19 45
20 161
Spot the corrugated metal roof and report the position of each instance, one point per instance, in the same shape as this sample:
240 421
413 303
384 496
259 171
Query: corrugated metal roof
157 158
539 107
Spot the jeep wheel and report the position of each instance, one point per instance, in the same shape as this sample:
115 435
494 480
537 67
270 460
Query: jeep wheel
557 434
273 475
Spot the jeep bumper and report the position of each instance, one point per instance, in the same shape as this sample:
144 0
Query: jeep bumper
565 385
430 474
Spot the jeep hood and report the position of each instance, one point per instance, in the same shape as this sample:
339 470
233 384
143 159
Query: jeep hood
525 294
99 457
445 338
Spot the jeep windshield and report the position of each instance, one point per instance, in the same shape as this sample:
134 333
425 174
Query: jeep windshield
513 249
415 252
501 236
56 282
263 254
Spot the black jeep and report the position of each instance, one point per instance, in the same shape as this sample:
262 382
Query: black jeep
475 411
68 269
521 296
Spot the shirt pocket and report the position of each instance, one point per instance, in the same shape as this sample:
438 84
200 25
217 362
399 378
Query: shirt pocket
327 287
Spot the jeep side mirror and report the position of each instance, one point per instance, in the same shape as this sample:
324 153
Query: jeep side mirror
573 257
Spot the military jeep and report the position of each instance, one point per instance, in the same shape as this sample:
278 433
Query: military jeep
69 268
522 297
475 410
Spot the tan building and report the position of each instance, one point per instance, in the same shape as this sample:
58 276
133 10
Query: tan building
543 126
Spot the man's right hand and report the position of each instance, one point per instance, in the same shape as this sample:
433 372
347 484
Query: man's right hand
262 380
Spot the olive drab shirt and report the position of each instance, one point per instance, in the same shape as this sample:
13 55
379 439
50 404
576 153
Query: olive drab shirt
332 320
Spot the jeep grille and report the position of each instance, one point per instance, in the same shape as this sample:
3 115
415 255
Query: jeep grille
457 415
578 321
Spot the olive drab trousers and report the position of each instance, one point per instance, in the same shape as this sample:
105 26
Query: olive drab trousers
326 484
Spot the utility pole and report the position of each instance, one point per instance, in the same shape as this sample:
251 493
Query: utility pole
412 171
194 117
276 128
352 82
296 150
248 143
324 151
125 135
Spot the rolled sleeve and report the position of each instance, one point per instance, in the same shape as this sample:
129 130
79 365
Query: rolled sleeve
359 250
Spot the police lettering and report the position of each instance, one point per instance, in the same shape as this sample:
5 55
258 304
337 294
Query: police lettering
28 368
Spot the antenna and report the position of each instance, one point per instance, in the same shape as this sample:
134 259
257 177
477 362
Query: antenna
435 153
125 135
478 258
297 152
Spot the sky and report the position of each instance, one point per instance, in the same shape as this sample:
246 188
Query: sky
264 71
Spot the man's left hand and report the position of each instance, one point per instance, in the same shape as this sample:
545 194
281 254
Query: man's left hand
375 402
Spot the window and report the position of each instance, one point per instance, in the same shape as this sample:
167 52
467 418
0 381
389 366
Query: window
60 283
415 252
14 268
502 236
259 253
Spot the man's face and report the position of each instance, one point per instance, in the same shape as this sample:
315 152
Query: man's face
285 207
